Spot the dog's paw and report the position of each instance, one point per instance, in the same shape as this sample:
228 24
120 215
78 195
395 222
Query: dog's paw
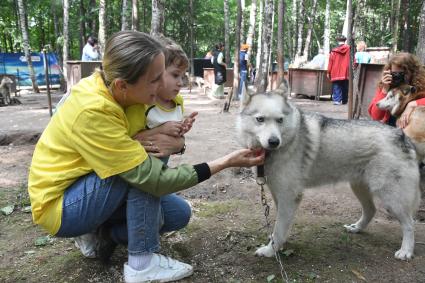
403 255
266 251
352 228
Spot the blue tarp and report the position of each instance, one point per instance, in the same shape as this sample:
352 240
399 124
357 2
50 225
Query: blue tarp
16 64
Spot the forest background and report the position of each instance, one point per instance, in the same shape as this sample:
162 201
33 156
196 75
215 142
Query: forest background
63 26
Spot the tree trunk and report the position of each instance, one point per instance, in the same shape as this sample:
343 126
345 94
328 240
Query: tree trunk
309 31
327 31
295 19
345 27
157 23
227 32
56 46
82 39
260 34
300 28
92 21
242 30
25 42
236 74
262 74
102 25
124 15
251 29
420 49
350 42
135 15
396 24
65 47
280 47
406 26
191 15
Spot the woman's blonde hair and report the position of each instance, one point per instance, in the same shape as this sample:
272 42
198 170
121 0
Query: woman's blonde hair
412 66
128 55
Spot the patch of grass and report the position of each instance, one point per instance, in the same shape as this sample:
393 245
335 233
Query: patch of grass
216 208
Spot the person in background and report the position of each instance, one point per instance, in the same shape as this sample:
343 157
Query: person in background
339 62
88 174
318 61
361 56
219 71
243 68
91 50
402 68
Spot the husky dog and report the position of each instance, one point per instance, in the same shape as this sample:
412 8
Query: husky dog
5 88
396 101
308 150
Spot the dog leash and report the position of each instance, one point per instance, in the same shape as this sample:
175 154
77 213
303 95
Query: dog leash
261 181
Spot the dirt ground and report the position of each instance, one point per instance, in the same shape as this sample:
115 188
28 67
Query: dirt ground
228 221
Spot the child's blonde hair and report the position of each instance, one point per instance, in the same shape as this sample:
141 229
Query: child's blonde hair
361 46
174 53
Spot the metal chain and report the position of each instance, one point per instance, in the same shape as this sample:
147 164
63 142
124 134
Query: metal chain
262 181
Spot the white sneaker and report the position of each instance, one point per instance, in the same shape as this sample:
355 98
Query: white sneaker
87 244
160 269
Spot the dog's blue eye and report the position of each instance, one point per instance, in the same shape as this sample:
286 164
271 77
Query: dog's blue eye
279 120
260 119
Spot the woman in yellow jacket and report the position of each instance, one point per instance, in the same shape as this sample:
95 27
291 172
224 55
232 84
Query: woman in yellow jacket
87 173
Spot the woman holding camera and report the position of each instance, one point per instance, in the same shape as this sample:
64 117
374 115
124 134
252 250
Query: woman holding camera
402 68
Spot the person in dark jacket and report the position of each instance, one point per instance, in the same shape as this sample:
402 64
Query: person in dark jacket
219 71
339 62
243 67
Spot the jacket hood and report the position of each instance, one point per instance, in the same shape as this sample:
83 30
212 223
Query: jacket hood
342 49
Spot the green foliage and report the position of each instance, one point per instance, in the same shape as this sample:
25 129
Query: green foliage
208 23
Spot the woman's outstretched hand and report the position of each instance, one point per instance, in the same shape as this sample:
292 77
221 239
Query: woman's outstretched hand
238 158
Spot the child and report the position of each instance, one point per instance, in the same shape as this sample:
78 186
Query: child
166 115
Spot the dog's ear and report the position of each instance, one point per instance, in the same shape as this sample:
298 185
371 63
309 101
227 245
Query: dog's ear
283 89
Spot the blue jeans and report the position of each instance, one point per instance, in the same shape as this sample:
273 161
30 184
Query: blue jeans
242 82
134 217
340 91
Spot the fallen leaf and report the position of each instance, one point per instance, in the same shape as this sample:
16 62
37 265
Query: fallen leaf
270 278
7 210
288 252
358 274
42 241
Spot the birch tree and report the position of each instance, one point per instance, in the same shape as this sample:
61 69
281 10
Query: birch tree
236 74
134 15
251 29
82 24
65 47
242 29
226 32
309 31
280 47
420 49
157 22
25 42
260 34
102 25
396 25
327 31
294 25
124 15
262 73
300 28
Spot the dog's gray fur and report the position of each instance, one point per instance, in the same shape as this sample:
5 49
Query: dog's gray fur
5 88
308 150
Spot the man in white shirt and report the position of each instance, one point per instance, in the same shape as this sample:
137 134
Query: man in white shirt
91 50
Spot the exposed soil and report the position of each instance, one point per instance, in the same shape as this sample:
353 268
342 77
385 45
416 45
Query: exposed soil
228 222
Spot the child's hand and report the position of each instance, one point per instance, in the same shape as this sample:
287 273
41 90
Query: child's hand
172 128
188 122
